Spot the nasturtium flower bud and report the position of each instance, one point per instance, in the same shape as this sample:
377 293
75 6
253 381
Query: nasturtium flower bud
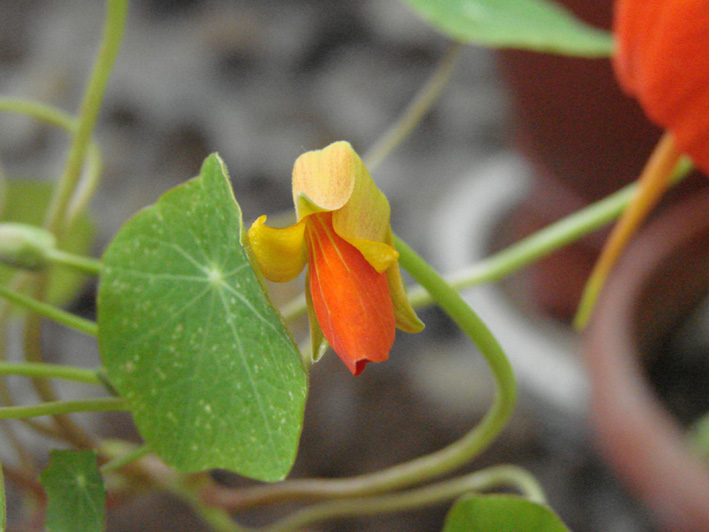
25 246
356 297
662 58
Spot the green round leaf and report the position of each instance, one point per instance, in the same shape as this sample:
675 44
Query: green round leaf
26 202
501 513
76 499
539 25
190 338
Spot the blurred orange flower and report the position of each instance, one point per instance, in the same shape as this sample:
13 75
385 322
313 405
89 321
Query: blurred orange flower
662 59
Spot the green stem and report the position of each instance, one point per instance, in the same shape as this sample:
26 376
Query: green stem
87 265
50 371
114 26
426 467
50 311
541 243
654 181
506 389
58 118
23 453
53 408
61 211
218 518
524 252
215 517
6 398
39 111
419 106
128 458
484 480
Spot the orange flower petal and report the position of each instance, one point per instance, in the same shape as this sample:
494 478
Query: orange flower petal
351 300
631 20
662 60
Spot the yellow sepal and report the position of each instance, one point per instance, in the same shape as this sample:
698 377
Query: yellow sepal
281 254
405 315
318 343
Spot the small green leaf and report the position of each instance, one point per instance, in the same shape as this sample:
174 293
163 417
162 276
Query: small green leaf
501 513
75 492
539 25
26 202
190 338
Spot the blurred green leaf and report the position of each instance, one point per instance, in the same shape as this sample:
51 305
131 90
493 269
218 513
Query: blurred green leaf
190 338
539 25
501 513
26 202
75 492
699 435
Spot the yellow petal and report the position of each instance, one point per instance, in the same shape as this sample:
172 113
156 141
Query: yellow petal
365 216
406 318
335 179
380 255
281 254
323 180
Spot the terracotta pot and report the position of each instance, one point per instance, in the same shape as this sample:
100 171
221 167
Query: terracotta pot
659 280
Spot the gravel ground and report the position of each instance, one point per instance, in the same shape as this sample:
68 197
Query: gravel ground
260 82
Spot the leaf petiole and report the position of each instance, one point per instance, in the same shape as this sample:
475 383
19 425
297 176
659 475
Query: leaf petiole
116 14
415 110
123 460
87 265
541 243
53 408
486 479
50 371
50 311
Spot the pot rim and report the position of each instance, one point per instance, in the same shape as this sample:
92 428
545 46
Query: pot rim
635 432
